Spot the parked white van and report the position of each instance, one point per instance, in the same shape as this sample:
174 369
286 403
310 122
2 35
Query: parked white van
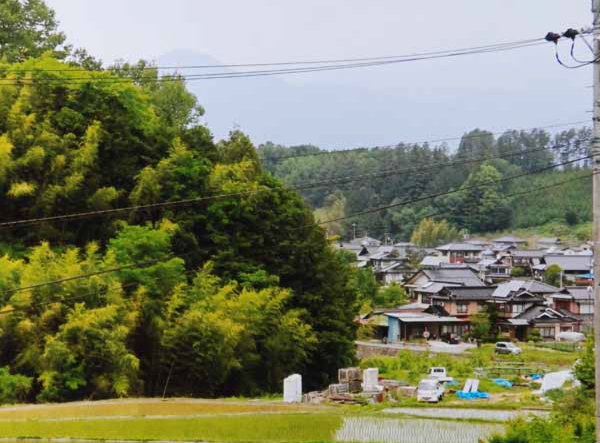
430 390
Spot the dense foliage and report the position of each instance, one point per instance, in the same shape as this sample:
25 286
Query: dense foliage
486 203
230 294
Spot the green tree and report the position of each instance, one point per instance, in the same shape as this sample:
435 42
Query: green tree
585 366
223 340
518 271
430 233
481 324
535 336
89 357
365 286
481 206
14 388
29 29
553 275
391 296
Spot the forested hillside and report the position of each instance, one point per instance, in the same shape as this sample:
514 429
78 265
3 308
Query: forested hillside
225 295
362 179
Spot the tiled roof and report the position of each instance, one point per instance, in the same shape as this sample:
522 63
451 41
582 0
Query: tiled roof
573 263
462 276
505 290
469 247
524 253
543 312
581 293
509 239
465 293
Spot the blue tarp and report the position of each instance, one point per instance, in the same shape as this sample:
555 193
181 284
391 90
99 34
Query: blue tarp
452 383
590 276
536 377
472 395
502 382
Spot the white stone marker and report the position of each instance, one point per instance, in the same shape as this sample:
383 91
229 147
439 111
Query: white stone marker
292 389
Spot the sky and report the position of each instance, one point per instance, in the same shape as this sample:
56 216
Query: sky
408 102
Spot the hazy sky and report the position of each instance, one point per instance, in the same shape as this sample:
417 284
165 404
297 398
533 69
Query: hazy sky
406 102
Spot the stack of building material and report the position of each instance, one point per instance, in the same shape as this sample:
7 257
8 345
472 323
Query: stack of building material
352 378
338 389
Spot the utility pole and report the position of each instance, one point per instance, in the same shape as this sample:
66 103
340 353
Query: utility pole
596 204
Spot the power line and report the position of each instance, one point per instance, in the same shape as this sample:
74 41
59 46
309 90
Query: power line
293 63
396 145
190 201
263 73
443 194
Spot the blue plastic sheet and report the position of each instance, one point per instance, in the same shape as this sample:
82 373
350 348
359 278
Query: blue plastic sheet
536 377
502 382
452 383
472 395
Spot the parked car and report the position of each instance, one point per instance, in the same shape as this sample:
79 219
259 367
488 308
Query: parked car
449 338
506 347
439 373
430 390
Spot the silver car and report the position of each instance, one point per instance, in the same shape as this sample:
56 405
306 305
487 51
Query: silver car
506 347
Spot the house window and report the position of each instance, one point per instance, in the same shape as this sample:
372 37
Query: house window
462 308
547 332
517 309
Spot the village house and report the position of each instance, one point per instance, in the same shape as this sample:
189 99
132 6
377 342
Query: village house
461 252
410 322
574 267
548 321
548 242
427 282
463 301
493 270
396 272
576 302
508 241
524 258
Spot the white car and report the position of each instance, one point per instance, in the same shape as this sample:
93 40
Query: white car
506 347
430 390
439 373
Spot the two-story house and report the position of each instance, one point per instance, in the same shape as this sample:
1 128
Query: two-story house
461 252
576 302
427 282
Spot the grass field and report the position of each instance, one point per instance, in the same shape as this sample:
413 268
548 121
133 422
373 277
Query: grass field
146 407
247 428
231 421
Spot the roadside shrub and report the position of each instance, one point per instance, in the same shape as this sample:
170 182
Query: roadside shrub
535 336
